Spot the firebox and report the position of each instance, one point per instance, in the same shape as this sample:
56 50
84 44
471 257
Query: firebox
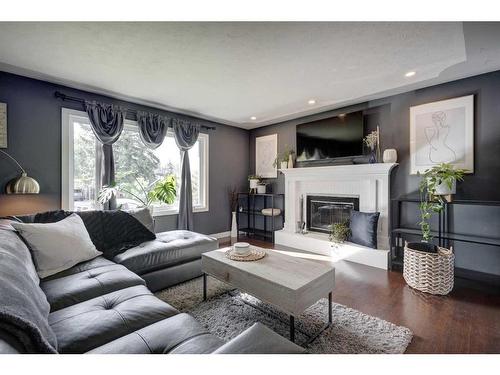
324 210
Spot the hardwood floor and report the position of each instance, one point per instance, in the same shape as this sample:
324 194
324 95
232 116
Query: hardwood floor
465 321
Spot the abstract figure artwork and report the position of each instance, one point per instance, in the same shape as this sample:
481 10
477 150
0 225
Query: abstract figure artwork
442 132
266 148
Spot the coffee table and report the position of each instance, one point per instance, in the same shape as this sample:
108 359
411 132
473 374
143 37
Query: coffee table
290 283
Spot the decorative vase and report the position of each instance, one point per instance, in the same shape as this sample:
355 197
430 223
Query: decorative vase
261 189
390 155
373 156
234 226
284 165
290 161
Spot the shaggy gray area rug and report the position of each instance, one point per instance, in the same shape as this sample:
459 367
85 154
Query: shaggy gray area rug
228 312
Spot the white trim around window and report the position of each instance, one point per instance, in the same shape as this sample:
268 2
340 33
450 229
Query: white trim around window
69 116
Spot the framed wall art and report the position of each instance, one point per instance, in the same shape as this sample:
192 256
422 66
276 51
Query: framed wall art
266 149
442 132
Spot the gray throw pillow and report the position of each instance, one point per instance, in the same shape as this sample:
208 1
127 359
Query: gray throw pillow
143 216
363 227
58 246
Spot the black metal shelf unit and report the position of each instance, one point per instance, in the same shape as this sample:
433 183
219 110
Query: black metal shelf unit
442 234
253 222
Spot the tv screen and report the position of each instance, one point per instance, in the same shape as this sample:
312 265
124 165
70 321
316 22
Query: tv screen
331 138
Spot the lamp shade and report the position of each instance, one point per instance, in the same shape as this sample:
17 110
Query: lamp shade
22 185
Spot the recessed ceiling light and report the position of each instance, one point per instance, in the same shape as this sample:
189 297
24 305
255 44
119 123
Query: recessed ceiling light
311 102
253 118
410 74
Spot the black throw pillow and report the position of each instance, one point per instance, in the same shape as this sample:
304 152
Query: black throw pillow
112 232
363 227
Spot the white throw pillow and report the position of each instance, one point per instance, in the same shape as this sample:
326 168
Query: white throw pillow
58 246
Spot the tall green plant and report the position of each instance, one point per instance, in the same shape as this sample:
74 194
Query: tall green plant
163 191
430 202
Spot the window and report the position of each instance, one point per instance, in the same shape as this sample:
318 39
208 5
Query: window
137 168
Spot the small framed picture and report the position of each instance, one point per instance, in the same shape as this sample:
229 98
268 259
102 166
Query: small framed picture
442 132
266 149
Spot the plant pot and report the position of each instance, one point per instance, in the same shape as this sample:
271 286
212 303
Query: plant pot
261 189
444 189
284 165
254 183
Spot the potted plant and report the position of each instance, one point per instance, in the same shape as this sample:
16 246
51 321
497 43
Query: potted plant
284 159
436 187
254 181
159 191
339 232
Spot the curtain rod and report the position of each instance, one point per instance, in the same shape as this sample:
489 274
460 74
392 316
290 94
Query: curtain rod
68 98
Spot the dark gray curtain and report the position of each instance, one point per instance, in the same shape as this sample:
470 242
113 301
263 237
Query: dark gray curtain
186 134
107 125
152 128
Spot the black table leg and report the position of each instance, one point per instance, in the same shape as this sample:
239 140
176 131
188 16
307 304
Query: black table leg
204 287
330 308
292 328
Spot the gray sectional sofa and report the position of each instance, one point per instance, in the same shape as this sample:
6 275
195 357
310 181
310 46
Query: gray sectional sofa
105 306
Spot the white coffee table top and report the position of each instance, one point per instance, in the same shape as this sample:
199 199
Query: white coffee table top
290 282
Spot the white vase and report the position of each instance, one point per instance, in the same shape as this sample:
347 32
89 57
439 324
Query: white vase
290 161
390 156
261 189
234 226
284 165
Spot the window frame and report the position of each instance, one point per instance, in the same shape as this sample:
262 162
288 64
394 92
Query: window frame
67 164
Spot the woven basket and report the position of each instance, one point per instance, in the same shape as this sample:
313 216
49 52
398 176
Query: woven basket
429 272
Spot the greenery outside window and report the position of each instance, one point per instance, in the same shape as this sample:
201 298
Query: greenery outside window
136 166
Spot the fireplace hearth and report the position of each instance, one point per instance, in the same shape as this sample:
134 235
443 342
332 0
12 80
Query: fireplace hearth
325 210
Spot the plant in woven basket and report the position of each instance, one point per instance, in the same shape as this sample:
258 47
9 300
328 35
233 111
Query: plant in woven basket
437 183
339 232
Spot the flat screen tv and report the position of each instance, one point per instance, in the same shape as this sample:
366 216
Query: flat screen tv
331 138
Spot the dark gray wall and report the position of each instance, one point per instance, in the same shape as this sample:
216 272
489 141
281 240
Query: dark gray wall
393 113
34 139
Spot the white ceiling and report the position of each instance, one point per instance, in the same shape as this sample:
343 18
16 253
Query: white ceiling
228 72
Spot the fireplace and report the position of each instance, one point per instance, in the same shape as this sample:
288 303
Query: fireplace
325 210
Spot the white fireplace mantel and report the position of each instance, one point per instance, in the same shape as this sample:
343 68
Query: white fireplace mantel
368 182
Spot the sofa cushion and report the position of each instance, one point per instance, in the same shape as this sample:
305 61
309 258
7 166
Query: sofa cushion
84 266
112 232
143 216
58 246
162 337
93 323
169 249
69 290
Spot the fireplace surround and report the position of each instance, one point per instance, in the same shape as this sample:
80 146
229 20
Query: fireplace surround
370 183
